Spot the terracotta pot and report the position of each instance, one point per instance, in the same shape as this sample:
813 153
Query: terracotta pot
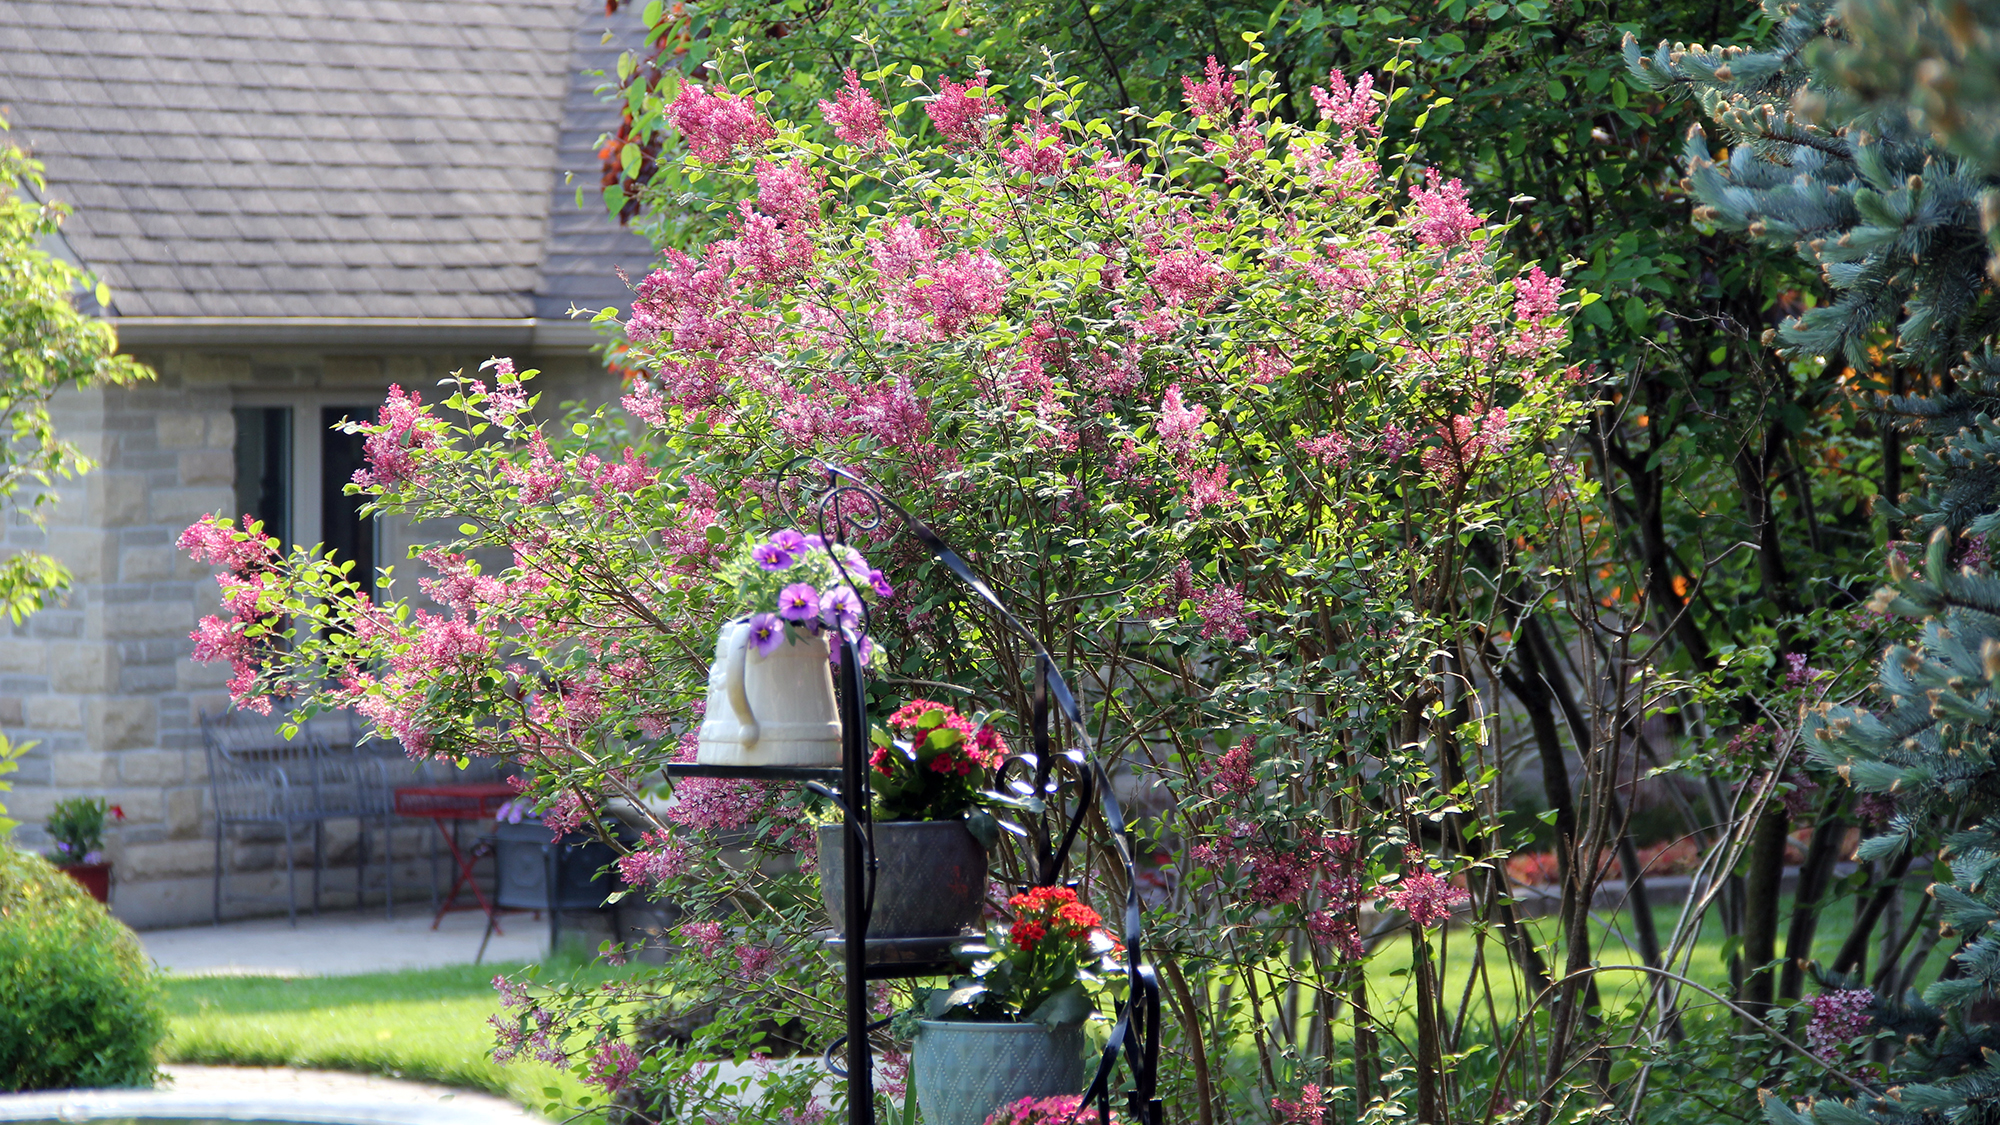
930 879
94 877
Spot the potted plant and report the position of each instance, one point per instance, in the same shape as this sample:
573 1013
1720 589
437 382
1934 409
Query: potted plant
1012 1027
77 826
770 694
929 765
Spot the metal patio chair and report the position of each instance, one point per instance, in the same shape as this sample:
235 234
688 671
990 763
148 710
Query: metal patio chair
261 779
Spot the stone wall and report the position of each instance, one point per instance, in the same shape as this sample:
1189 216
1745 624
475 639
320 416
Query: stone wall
104 683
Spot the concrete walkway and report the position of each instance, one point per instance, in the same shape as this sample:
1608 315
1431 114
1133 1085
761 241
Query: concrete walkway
231 1093
283 1084
336 944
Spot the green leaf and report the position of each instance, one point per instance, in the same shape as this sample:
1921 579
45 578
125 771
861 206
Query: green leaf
1066 1008
715 533
468 529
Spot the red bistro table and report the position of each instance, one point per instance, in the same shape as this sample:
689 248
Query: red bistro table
443 805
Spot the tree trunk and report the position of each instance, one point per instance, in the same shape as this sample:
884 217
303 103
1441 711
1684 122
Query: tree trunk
1760 913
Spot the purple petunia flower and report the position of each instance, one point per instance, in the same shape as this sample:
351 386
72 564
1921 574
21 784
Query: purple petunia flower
798 602
767 633
788 541
881 584
771 557
839 607
864 648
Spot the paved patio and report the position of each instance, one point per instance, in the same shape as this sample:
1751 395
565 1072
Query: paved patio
346 942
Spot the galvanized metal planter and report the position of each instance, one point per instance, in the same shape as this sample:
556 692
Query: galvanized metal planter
965 1070
931 880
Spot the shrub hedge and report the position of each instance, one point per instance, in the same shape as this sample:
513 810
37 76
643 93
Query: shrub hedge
80 1006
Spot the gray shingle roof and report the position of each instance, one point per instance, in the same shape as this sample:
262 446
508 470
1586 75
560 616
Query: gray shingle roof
326 158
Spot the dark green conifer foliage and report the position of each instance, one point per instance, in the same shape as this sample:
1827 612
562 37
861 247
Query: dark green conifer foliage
1852 138
1889 217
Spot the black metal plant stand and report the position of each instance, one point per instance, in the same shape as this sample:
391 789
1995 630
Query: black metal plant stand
846 501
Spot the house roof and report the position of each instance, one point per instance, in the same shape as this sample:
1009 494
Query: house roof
331 162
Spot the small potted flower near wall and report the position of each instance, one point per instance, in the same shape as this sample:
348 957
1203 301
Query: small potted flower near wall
930 837
77 826
1012 1027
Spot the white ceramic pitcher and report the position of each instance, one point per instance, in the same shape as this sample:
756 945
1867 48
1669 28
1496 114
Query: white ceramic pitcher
774 710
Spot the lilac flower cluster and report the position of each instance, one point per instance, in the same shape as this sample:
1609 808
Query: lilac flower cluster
536 1032
1839 1018
1427 899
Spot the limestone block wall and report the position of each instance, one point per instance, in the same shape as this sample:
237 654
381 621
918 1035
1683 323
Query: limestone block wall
104 682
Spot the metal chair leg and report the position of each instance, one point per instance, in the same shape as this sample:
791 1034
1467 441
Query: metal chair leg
389 861
319 859
218 869
291 880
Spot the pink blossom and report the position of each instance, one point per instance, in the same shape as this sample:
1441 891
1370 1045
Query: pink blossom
1330 929
1797 673
542 476
969 285
959 114
240 552
1277 877
1329 447
1310 1109
1427 899
755 962
1353 108
788 191
1351 175
902 249
1394 442
707 937
855 114
1536 297
1214 95
1189 278
1221 611
1180 425
218 640
646 404
458 584
1232 773
563 817
714 123
1038 149
1838 1018
393 446
690 300
612 1066
895 1076
1180 585
1056 1109
1447 219
1208 488
658 859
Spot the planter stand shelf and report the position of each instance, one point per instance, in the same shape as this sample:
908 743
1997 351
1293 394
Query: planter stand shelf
844 501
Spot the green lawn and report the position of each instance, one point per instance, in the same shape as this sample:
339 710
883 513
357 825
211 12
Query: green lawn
431 1024
427 1025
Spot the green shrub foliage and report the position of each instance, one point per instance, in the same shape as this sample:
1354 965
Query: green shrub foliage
79 1005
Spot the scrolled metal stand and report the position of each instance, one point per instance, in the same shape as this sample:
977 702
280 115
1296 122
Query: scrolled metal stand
846 501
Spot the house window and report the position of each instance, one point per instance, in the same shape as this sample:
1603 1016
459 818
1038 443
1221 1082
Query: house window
346 533
264 468
292 468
